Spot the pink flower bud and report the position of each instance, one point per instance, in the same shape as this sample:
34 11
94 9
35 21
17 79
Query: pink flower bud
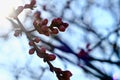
67 73
43 50
61 28
37 14
44 28
51 57
33 2
31 43
31 51
59 21
19 9
31 5
65 25
54 22
27 6
58 70
54 31
37 39
39 54
47 33
44 22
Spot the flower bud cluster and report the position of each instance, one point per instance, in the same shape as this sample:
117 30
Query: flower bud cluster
41 52
41 25
32 43
31 5
84 54
21 8
63 75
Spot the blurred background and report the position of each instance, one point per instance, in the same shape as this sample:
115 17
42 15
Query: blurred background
89 48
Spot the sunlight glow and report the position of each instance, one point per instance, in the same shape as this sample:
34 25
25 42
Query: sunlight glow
6 7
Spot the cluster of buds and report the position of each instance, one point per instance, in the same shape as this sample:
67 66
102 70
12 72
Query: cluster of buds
84 54
40 52
32 43
31 5
63 75
41 25
43 54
